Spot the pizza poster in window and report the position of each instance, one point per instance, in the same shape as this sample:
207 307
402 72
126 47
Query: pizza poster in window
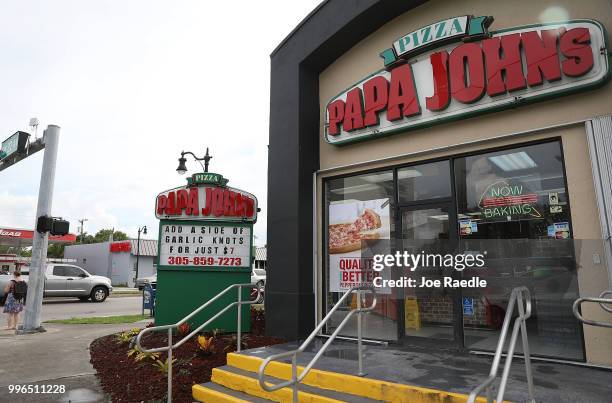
351 222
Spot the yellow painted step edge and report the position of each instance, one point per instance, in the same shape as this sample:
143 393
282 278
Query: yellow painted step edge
203 394
355 385
251 386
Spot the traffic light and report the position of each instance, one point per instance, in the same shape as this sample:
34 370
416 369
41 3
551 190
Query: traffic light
55 226
60 227
44 224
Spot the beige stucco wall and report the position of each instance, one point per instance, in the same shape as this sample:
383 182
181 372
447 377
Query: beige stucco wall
363 59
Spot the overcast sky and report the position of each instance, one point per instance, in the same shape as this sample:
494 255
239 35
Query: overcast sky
131 84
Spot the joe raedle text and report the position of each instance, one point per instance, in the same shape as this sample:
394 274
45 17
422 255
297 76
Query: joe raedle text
428 261
423 282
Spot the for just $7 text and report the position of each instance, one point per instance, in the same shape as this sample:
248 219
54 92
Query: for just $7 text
401 260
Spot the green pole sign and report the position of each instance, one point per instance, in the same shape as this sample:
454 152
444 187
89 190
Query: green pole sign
14 144
205 245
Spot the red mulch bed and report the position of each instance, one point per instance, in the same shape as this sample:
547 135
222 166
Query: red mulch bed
126 380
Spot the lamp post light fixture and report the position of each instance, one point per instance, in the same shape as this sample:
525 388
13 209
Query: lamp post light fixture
142 229
182 168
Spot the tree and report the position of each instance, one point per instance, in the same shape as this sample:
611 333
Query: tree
55 250
85 238
104 234
10 250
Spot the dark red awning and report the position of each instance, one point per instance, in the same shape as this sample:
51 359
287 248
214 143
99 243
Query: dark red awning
23 237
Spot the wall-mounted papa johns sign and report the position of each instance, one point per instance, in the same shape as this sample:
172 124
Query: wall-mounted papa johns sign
454 69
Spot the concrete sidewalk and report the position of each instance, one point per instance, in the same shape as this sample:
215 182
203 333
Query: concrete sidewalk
59 356
456 371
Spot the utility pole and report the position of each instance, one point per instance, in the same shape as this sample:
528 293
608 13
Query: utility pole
33 308
109 268
82 221
144 231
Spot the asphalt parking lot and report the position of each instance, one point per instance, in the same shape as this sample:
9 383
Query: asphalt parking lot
66 308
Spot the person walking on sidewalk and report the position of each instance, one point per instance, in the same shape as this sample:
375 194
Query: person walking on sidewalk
15 292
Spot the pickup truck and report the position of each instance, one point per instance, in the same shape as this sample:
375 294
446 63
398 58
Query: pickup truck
65 280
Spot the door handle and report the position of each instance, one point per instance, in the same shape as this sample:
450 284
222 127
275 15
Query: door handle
69 279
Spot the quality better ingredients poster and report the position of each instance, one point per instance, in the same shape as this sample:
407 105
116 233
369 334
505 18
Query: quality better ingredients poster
347 269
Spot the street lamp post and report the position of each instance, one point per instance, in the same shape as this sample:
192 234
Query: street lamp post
142 229
182 168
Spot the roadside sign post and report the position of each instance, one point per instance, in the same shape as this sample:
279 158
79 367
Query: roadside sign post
33 308
205 245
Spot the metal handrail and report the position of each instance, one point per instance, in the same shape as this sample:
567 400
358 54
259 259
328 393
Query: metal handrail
519 324
603 305
601 301
295 379
171 346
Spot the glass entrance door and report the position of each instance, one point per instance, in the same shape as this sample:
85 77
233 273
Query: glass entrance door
429 311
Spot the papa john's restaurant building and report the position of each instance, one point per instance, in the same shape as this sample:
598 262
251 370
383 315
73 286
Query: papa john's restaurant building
451 120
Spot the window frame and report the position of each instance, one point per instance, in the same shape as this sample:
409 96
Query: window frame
450 198
556 139
424 203
76 268
59 267
66 266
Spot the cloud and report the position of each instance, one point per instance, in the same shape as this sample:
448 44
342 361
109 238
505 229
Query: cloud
18 211
132 84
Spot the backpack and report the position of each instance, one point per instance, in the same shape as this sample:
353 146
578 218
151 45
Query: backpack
20 290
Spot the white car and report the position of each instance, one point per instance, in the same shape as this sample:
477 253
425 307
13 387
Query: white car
66 280
258 277
141 281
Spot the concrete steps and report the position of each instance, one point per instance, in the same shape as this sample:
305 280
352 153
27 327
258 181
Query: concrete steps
212 392
237 382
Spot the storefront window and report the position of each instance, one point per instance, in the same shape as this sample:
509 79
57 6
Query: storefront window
519 194
423 182
358 206
512 203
